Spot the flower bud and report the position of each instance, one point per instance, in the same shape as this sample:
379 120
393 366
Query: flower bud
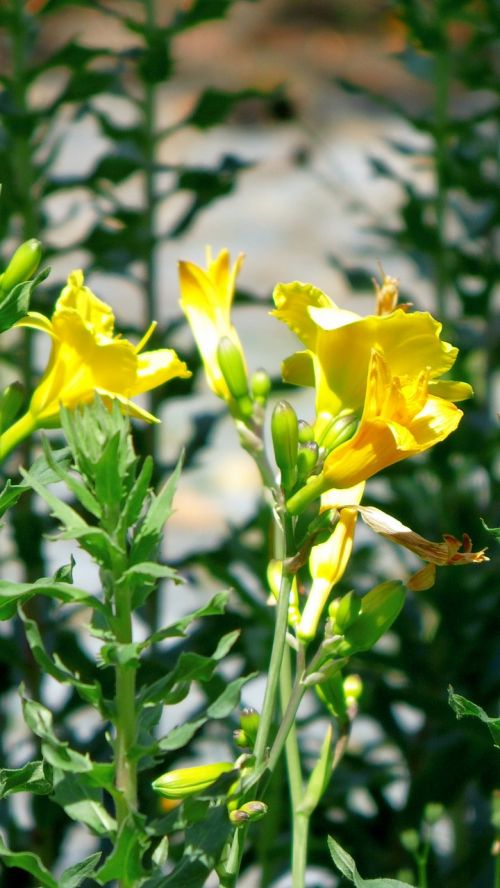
22 266
184 782
410 840
353 688
249 812
233 368
433 812
260 386
306 432
285 435
347 611
249 721
307 457
339 430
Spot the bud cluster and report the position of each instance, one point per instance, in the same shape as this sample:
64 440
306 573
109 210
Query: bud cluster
245 396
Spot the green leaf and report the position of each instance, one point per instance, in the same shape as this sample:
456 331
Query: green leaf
125 861
344 862
35 777
77 487
203 847
180 735
230 697
83 802
136 498
12 594
215 105
16 304
216 606
463 707
79 872
495 531
64 513
28 862
91 693
149 533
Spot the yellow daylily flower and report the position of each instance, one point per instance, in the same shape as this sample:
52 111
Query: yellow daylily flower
328 561
87 358
206 300
379 375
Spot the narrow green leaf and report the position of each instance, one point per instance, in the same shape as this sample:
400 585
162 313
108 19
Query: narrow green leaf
180 735
463 707
16 304
28 862
83 802
149 532
137 497
12 594
320 776
77 487
344 862
216 606
35 777
124 864
203 847
79 872
64 513
230 697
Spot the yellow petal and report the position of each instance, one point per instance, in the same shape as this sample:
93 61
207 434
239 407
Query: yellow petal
157 367
36 321
292 306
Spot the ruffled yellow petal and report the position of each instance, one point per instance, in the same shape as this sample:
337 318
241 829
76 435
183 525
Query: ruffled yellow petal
293 302
156 367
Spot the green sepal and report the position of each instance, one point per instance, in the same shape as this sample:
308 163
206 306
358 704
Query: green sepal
319 777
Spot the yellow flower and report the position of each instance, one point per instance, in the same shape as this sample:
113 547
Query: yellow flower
206 300
378 376
87 358
328 561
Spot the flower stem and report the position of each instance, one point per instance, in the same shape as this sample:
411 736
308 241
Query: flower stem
16 433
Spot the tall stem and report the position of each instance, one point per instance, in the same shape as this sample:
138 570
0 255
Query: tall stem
300 821
126 719
233 863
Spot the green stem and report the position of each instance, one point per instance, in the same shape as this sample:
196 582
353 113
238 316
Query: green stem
497 866
125 718
422 871
16 433
300 821
233 863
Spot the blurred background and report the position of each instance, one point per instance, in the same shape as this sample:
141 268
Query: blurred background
319 137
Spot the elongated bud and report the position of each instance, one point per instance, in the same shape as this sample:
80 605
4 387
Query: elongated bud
22 266
306 432
285 435
347 611
379 609
249 721
260 386
11 401
248 813
307 457
234 372
184 782
340 430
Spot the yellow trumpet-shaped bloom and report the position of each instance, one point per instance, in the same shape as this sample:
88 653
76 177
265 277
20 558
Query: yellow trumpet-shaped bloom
206 300
87 358
380 373
328 561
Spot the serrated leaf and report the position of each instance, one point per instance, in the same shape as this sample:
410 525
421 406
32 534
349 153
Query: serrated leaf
79 872
160 509
83 802
125 861
463 707
35 777
77 487
216 606
137 497
12 594
344 862
28 862
64 513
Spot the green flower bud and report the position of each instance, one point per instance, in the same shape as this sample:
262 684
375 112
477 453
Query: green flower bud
306 432
260 386
233 368
379 609
184 782
331 694
285 435
22 266
307 457
410 840
433 812
340 429
249 721
249 812
353 688
11 401
347 611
